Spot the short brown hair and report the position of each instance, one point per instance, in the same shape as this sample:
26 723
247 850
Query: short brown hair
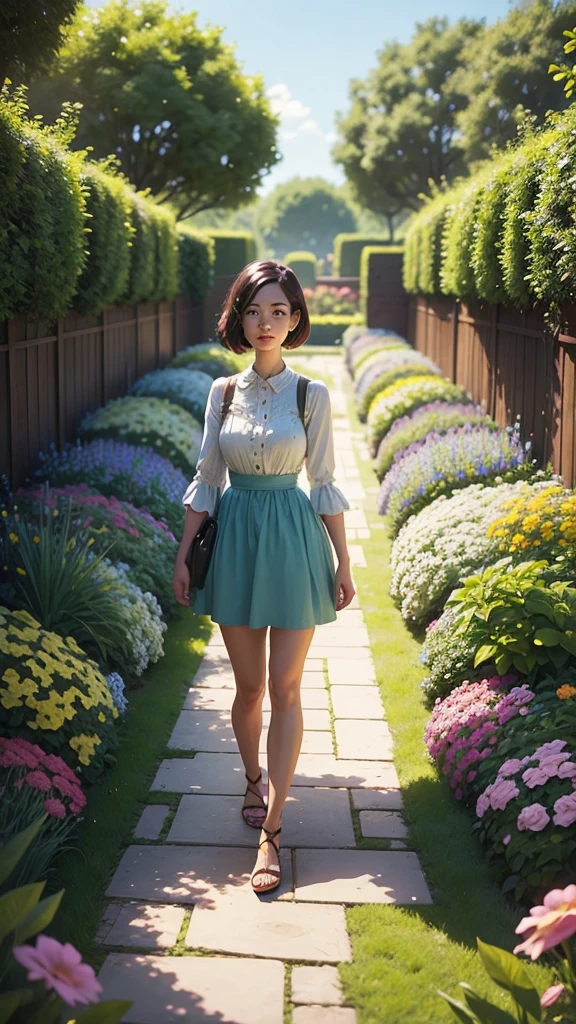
241 293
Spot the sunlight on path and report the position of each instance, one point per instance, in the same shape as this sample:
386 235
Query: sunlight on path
186 888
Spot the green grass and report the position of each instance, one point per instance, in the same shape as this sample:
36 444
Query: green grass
114 807
402 955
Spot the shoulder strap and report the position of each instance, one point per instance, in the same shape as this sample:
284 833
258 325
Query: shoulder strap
301 391
229 388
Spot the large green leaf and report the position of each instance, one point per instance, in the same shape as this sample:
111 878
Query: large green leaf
12 851
110 1012
16 904
486 1013
39 917
484 653
548 637
510 974
462 1012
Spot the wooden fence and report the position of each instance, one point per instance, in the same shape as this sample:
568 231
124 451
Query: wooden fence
511 363
51 374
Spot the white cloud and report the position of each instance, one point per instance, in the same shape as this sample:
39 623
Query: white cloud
293 110
310 127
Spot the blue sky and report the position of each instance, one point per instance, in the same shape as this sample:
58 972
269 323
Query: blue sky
308 50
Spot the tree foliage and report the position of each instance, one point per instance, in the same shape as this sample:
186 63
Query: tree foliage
304 213
400 131
168 99
31 32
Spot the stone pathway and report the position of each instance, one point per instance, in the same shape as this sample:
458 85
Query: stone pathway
183 885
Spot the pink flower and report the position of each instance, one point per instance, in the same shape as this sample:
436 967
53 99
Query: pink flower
510 767
551 995
565 808
39 780
507 839
536 776
554 747
60 967
501 793
55 808
482 804
55 764
550 924
534 817
567 770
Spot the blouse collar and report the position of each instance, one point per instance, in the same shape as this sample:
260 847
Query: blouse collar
277 382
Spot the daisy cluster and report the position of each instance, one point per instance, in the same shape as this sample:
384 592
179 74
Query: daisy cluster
187 388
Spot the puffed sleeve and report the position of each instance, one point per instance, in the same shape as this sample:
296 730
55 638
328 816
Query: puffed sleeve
210 475
326 498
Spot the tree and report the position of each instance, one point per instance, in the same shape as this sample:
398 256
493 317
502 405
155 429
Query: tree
168 99
304 213
30 33
400 132
505 74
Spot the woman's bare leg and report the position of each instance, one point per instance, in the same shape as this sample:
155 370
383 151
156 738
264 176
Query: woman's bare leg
288 650
247 652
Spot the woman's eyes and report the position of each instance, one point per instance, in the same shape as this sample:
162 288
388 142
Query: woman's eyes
281 311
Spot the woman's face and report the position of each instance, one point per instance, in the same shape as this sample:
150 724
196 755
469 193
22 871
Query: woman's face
268 319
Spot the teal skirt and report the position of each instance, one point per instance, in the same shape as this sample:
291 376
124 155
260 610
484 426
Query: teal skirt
272 563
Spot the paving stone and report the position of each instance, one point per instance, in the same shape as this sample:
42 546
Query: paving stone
204 773
203 698
241 924
319 985
356 518
168 989
377 799
319 649
346 671
138 924
324 1015
359 876
188 874
151 821
317 817
349 617
314 697
382 825
312 742
341 635
315 720
313 663
210 681
203 730
216 820
368 740
357 702
350 533
314 679
323 770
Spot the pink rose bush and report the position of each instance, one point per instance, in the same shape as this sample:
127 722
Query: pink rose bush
31 782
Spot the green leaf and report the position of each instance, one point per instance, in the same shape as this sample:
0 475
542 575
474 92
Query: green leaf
110 1012
484 653
13 851
39 917
510 974
10 1001
16 904
548 636
460 1011
486 1012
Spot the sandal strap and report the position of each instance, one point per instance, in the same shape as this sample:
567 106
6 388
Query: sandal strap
254 782
270 836
267 871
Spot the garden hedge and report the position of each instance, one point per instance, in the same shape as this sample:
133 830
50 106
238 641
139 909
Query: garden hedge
348 249
233 250
368 253
304 266
197 252
328 330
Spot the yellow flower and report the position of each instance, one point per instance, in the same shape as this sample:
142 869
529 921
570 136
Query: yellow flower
11 676
36 540
4 513
17 650
10 700
22 572
13 537
566 691
84 746
517 538
101 717
55 512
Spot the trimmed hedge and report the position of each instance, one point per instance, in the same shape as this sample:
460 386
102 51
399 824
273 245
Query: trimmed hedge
348 247
506 234
367 253
304 266
197 253
328 330
233 250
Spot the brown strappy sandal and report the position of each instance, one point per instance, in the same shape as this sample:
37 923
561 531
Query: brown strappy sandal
268 871
254 808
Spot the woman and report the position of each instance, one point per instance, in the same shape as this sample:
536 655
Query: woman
272 564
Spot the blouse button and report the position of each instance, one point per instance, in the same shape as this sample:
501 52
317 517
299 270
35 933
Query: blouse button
257 466
265 416
263 401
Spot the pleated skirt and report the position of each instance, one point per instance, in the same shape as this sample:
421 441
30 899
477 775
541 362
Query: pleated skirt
272 563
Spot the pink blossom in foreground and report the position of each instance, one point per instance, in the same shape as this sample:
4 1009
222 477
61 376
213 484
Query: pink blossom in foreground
535 817
551 995
549 924
60 967
565 810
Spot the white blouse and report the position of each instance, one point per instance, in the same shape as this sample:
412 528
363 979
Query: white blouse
263 434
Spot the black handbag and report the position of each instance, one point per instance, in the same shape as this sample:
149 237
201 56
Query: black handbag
198 559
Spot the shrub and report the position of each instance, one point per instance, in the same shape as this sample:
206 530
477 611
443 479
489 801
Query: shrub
405 397
304 266
42 210
196 261
445 542
415 367
50 689
210 358
382 256
128 472
352 333
327 330
437 417
423 247
106 273
186 388
137 538
538 525
487 238
520 197
456 274
446 462
367 350
142 269
153 422
348 248
166 282
32 782
233 250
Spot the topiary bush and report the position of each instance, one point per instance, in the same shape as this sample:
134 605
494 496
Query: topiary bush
153 422
50 691
423 247
367 260
232 250
186 388
456 272
106 273
328 330
348 248
304 266
487 239
196 261
521 192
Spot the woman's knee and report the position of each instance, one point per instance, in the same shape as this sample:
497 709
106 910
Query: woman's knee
284 693
250 693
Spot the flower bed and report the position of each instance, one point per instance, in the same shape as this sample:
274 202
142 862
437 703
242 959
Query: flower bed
371 378
437 417
405 397
186 388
